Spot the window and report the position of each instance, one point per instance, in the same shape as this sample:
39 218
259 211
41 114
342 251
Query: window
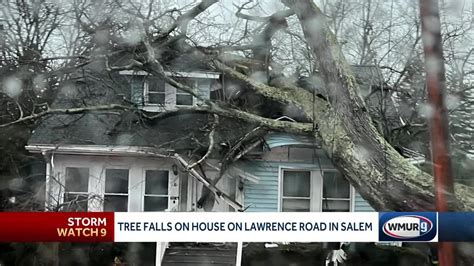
156 190
306 190
77 189
156 91
336 192
116 190
183 98
296 191
152 91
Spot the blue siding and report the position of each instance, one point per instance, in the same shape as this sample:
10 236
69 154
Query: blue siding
263 196
361 205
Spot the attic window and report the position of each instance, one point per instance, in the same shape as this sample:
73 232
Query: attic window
183 98
154 94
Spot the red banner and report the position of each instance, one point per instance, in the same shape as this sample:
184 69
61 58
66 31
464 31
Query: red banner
56 227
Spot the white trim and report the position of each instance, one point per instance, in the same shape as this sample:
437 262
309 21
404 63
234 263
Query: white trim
49 172
99 150
238 260
280 178
190 200
185 74
353 193
160 252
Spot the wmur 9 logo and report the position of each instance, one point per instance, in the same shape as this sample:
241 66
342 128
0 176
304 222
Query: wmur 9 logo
408 226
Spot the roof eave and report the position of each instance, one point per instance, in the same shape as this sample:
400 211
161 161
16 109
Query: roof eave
99 150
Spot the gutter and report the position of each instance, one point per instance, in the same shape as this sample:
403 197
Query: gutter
99 150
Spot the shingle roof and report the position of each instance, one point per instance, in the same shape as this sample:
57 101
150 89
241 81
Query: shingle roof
179 132
92 86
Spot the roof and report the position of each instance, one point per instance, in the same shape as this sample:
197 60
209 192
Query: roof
93 86
177 132
187 131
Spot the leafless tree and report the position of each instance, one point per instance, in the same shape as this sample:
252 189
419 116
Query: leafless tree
296 34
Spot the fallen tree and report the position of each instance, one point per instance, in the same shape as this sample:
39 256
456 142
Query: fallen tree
342 122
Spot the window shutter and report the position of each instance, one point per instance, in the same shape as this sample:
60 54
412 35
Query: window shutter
136 90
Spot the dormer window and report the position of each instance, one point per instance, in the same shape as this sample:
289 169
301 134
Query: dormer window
155 91
154 94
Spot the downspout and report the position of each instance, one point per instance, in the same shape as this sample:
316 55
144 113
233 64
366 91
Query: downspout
48 159
54 247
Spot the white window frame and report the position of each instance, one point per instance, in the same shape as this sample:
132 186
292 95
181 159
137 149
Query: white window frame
104 193
64 192
144 195
146 94
313 195
316 191
351 198
171 94
170 91
176 93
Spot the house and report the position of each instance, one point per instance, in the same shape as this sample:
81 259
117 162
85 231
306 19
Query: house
123 160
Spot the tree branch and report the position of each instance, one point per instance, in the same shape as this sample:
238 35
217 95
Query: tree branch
211 143
183 20
69 111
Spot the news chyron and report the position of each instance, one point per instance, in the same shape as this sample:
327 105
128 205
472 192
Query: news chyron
408 226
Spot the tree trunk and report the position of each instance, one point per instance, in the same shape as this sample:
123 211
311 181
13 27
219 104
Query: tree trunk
381 175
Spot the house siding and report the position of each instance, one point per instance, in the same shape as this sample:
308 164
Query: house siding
361 205
263 196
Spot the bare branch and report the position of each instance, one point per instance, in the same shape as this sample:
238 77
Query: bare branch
70 111
279 14
211 143
183 20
